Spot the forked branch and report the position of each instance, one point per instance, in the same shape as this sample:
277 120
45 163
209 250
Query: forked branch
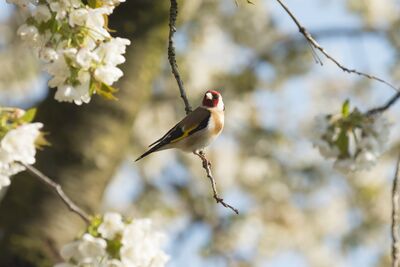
314 44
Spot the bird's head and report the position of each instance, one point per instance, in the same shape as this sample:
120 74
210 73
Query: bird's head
213 99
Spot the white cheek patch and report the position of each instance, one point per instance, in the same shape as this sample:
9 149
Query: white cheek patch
209 96
220 105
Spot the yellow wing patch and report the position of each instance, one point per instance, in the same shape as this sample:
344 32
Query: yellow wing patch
184 134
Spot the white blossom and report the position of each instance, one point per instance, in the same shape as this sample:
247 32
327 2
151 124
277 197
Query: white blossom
4 181
17 146
21 3
78 94
112 224
344 165
92 247
85 57
95 22
111 52
42 13
89 250
320 130
48 55
112 263
88 57
19 143
112 2
139 245
108 74
60 71
361 144
59 9
28 33
78 17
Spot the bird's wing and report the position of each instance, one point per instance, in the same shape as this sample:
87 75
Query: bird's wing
192 123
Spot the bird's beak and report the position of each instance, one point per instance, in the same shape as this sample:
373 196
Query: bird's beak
209 96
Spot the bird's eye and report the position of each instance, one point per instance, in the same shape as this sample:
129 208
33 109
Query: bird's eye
215 96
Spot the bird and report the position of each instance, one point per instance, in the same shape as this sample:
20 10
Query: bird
195 131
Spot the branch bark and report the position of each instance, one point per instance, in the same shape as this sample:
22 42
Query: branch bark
173 13
385 107
207 168
59 191
314 44
396 217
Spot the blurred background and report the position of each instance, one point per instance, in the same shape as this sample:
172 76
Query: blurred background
295 209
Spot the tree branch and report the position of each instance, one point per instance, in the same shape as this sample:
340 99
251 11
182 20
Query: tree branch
59 191
173 13
332 32
385 107
207 167
396 217
314 44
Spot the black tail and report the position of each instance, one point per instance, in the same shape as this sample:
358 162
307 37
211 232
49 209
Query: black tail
151 150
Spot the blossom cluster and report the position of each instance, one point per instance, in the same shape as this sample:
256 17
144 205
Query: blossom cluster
355 140
72 38
18 142
111 241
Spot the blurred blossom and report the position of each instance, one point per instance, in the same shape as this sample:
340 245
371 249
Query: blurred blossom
377 12
332 219
114 242
353 139
224 155
212 55
254 169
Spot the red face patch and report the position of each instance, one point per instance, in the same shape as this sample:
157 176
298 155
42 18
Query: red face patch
213 102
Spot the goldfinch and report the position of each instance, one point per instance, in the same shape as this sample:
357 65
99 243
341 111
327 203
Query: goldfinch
197 130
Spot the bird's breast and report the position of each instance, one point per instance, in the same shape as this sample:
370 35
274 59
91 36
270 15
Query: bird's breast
216 123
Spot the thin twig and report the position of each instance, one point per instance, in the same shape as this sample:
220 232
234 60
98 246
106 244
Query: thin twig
315 44
396 217
173 13
207 167
59 191
385 107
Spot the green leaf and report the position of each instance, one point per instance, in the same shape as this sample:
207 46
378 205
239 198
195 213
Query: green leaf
107 91
93 87
29 115
108 88
94 225
343 143
94 3
41 141
346 108
114 246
